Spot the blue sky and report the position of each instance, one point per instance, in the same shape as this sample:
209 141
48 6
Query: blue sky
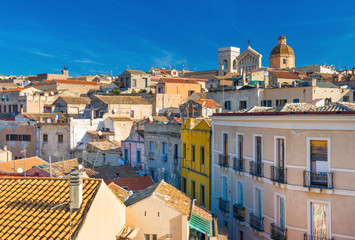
111 35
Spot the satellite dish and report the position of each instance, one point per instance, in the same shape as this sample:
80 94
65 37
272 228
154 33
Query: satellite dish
100 133
150 119
20 170
114 110
80 167
130 192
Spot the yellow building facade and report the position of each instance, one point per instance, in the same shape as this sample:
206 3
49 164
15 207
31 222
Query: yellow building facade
196 159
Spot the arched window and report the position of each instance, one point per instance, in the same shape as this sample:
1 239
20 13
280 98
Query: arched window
235 64
225 65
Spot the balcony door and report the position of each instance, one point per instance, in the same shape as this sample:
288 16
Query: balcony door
225 144
319 221
240 147
319 155
258 203
258 148
139 158
280 160
224 188
280 214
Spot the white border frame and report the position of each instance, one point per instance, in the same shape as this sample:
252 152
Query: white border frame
237 150
275 149
254 147
276 207
329 215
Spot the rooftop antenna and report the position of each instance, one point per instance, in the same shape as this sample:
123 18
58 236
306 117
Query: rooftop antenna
248 42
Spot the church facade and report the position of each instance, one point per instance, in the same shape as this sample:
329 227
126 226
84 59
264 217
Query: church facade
231 60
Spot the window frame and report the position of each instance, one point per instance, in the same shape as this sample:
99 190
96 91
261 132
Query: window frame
309 139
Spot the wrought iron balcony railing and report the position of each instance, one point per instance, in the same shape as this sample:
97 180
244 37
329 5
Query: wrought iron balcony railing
256 222
223 205
278 174
223 160
277 232
239 212
238 164
318 179
256 168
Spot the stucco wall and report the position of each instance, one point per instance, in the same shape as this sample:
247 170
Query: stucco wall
105 218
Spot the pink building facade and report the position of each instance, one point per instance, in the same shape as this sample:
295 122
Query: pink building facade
133 150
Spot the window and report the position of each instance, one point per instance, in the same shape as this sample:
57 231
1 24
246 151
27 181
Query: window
7 98
134 83
139 158
266 103
319 155
202 155
296 100
151 147
190 92
193 153
184 184
176 153
202 195
242 104
258 203
12 137
225 65
258 149
126 155
346 99
224 188
60 138
9 108
0 108
319 221
184 150
227 105
235 64
145 82
284 61
165 148
280 102
193 189
131 114
25 137
240 235
45 137
150 237
240 146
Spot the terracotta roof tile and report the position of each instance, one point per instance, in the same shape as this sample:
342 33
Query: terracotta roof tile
63 168
120 193
111 172
179 80
32 216
285 74
123 100
132 183
12 166
208 103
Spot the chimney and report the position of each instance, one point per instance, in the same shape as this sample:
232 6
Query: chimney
314 82
4 148
92 114
244 79
76 190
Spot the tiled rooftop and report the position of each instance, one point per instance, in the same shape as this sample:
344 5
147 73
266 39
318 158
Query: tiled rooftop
63 168
37 208
208 103
123 100
134 184
120 193
25 164
111 172
170 196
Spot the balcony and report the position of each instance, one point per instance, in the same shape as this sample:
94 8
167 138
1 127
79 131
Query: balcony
151 156
318 179
256 222
223 160
310 237
164 157
223 205
238 164
277 232
256 168
239 212
278 174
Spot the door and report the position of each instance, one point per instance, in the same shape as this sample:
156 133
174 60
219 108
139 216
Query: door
259 209
240 194
139 159
225 144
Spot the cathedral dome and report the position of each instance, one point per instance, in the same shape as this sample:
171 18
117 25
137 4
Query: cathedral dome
282 49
